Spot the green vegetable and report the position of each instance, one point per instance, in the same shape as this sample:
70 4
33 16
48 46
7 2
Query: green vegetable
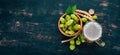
67 32
84 19
94 17
73 16
103 44
61 25
82 39
72 42
70 28
70 10
64 29
75 22
78 38
71 32
76 27
86 22
69 22
67 17
62 20
72 47
78 42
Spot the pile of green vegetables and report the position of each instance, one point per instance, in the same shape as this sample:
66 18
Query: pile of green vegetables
76 41
71 24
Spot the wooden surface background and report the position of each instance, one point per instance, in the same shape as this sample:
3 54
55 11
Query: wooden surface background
29 27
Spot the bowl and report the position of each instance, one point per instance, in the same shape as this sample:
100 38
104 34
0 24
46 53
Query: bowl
76 33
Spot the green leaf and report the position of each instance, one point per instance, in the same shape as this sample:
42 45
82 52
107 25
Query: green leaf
68 11
74 8
71 10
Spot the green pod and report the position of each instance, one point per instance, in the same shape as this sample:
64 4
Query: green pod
82 39
84 19
95 17
61 25
72 42
71 32
78 42
67 32
69 22
72 47
70 28
62 20
74 17
67 18
76 27
64 29
78 37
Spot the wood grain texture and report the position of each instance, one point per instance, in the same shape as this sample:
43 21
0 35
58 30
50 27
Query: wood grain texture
36 33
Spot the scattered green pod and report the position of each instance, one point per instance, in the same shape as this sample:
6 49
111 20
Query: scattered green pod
72 47
95 17
72 42
67 17
86 22
103 44
74 17
62 20
69 22
82 39
84 19
78 38
61 25
76 27
78 42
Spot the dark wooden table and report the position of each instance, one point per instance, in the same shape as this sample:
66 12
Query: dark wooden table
29 27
